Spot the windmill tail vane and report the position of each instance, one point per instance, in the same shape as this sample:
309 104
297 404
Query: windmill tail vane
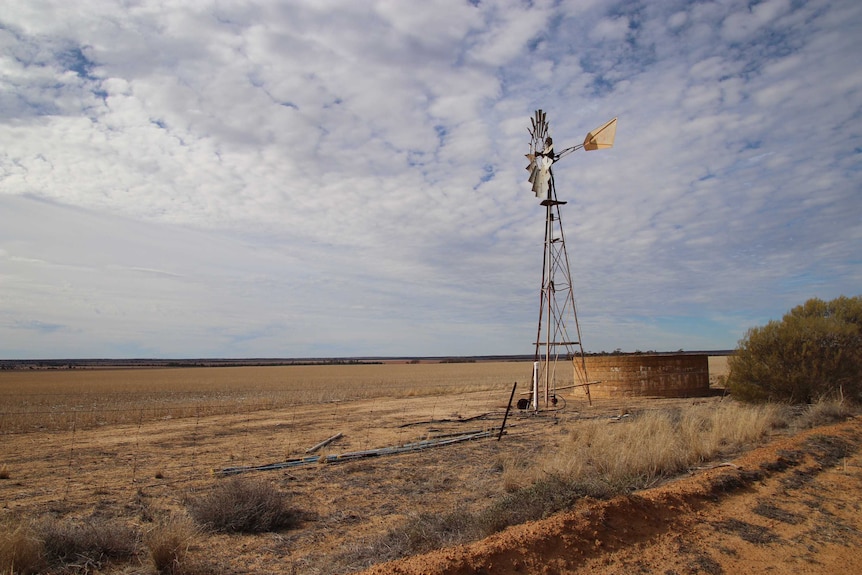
602 137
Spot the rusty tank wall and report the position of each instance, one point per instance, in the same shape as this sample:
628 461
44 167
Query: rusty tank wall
648 375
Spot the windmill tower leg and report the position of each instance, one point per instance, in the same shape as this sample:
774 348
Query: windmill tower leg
558 337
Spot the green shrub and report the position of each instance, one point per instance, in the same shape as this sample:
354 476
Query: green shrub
813 353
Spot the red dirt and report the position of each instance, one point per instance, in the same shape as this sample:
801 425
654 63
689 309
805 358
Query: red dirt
792 506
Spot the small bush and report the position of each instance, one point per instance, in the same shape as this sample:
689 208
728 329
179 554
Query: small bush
168 544
541 499
423 532
241 505
21 550
813 353
88 541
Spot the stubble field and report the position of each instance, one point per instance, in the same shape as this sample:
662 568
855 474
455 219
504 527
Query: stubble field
133 447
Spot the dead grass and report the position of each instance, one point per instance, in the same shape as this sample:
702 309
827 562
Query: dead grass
825 412
637 451
77 545
168 544
243 505
87 543
599 458
422 531
20 549
542 499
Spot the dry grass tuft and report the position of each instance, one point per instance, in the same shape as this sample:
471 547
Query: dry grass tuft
542 499
21 550
824 412
88 543
168 545
422 532
243 505
4 472
514 470
635 452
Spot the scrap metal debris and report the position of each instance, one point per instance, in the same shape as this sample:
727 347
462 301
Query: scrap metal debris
354 455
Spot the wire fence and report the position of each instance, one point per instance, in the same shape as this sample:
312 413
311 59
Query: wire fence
98 453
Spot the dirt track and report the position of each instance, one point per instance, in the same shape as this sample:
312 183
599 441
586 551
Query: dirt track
790 507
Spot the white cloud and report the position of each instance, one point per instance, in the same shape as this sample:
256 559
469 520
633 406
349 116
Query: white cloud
611 29
346 178
745 22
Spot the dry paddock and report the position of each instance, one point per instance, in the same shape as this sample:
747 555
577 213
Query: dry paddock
136 444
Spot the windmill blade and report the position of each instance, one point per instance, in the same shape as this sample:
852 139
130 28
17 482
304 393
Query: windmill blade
540 177
539 157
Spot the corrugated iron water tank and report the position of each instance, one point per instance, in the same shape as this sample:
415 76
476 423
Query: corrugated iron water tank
642 375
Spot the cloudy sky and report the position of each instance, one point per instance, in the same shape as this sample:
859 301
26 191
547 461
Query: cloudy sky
346 178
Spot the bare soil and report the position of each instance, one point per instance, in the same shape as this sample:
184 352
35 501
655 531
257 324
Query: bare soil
792 505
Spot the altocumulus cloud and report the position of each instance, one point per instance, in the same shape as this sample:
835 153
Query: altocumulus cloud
346 178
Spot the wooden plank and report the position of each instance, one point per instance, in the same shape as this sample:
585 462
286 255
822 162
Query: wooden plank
324 443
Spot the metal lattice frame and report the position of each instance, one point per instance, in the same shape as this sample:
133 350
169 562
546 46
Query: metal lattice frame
555 345
557 300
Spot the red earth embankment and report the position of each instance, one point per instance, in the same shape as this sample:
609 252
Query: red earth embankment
792 506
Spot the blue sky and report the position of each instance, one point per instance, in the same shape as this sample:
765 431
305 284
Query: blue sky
346 178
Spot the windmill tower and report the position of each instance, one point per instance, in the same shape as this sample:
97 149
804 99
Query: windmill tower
558 336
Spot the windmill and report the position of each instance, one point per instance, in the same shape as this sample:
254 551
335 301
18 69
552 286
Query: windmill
557 342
